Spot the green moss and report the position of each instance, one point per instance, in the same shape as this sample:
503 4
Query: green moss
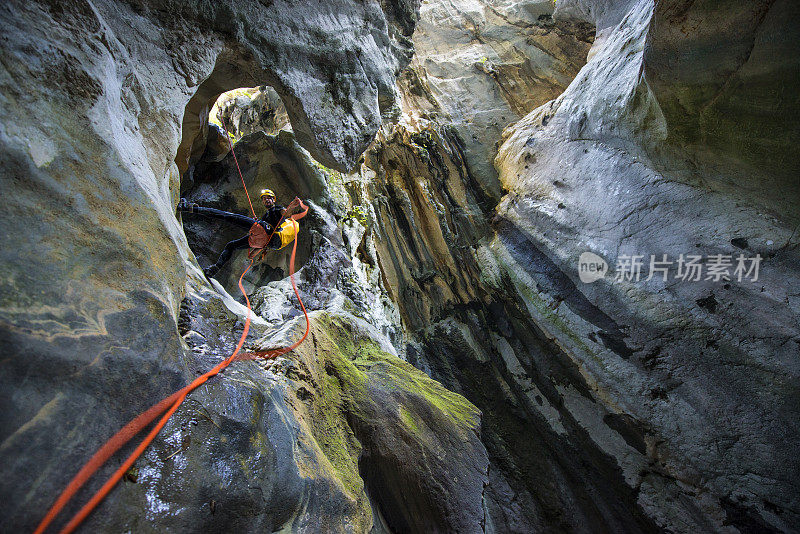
453 406
357 386
335 438
368 362
359 213
329 423
335 181
409 420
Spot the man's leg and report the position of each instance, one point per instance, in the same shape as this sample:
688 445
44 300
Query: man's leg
227 252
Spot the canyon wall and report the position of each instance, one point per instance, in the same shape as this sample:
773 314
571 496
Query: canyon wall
636 403
105 311
450 203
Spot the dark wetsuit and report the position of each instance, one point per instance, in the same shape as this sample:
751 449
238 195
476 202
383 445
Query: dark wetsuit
268 221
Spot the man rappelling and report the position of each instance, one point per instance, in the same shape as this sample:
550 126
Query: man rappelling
276 222
277 228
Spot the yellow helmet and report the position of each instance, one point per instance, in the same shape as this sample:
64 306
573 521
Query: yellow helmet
267 193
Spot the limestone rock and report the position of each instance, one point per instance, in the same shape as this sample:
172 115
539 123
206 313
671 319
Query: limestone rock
415 445
468 328
479 66
95 263
251 110
627 406
624 163
671 394
722 87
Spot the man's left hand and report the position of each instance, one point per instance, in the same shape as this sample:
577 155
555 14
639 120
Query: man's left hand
292 207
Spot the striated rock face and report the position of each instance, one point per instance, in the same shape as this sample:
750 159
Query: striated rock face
104 310
638 405
630 405
467 327
479 66
702 370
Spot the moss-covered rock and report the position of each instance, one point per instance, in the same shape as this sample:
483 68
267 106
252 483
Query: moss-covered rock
389 433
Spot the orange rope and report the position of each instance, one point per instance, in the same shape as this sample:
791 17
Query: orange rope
228 137
274 353
171 404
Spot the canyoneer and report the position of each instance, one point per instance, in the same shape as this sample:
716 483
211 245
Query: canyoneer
283 235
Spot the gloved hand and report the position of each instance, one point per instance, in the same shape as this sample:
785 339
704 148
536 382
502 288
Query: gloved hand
185 205
292 207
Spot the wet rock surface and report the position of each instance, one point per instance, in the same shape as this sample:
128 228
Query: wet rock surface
309 442
676 401
624 406
104 311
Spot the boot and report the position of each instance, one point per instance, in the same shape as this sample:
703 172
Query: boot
211 270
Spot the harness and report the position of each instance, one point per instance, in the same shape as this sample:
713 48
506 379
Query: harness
286 228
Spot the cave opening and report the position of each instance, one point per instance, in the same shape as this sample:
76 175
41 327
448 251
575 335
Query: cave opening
267 155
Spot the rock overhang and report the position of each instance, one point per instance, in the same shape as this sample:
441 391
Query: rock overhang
333 64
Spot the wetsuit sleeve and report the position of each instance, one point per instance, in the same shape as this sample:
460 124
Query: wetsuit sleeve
233 218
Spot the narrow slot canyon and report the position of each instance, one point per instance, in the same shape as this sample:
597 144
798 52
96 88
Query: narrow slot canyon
549 265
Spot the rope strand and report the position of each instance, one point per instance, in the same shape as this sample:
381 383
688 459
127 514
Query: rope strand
170 404
230 143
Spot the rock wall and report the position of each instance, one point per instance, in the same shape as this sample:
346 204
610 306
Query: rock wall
252 110
701 370
340 437
636 405
479 66
104 309
433 201
618 405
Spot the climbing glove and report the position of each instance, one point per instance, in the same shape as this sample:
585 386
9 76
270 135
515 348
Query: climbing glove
185 205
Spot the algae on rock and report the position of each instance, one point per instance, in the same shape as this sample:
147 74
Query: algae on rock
426 477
